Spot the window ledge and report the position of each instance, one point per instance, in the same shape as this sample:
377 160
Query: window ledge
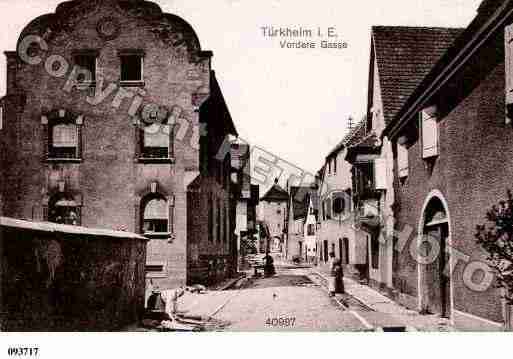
159 235
68 160
169 160
132 83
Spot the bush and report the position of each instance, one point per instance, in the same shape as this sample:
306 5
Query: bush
497 240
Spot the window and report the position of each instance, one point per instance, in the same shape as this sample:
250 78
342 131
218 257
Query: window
156 216
155 268
329 167
335 165
402 160
225 222
339 204
86 61
156 141
311 230
218 222
64 210
210 219
63 141
132 67
328 208
429 128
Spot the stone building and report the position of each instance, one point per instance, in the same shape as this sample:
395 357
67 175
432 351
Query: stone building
101 124
399 58
453 160
211 244
272 209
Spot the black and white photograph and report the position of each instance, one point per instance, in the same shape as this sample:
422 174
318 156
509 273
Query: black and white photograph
182 168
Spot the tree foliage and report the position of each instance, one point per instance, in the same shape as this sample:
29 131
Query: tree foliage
497 239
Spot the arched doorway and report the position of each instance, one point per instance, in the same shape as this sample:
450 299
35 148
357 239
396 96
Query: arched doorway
434 267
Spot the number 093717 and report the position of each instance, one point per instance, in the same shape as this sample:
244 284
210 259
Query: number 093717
22 352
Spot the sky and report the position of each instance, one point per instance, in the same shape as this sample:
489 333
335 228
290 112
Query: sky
293 103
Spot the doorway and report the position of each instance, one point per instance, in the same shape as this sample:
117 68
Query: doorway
435 274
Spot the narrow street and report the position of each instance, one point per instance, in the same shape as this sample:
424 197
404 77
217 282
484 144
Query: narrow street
289 301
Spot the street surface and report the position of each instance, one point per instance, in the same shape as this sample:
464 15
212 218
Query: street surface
289 301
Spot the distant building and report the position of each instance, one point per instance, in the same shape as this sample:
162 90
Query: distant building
248 197
337 232
272 209
301 223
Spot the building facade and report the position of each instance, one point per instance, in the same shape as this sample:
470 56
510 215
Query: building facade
211 243
101 124
337 232
453 160
399 58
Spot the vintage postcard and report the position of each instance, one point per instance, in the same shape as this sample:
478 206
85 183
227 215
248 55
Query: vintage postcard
238 166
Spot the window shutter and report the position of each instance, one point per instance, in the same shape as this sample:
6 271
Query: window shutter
429 133
171 217
402 160
508 39
380 173
1 117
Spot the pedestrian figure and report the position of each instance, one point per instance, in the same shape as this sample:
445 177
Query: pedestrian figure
339 277
332 278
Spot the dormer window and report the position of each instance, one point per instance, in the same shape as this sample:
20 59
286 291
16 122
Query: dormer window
132 67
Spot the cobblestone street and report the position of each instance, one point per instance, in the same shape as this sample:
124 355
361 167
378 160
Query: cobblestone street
290 301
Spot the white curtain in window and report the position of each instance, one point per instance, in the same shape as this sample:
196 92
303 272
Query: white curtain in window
156 135
64 135
156 209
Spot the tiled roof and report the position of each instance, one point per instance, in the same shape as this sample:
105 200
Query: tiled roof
276 194
301 199
460 47
405 55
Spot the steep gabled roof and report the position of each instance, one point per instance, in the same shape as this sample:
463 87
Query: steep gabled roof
300 197
404 56
276 194
490 14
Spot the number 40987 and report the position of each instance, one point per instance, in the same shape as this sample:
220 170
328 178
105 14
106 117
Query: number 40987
280 322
